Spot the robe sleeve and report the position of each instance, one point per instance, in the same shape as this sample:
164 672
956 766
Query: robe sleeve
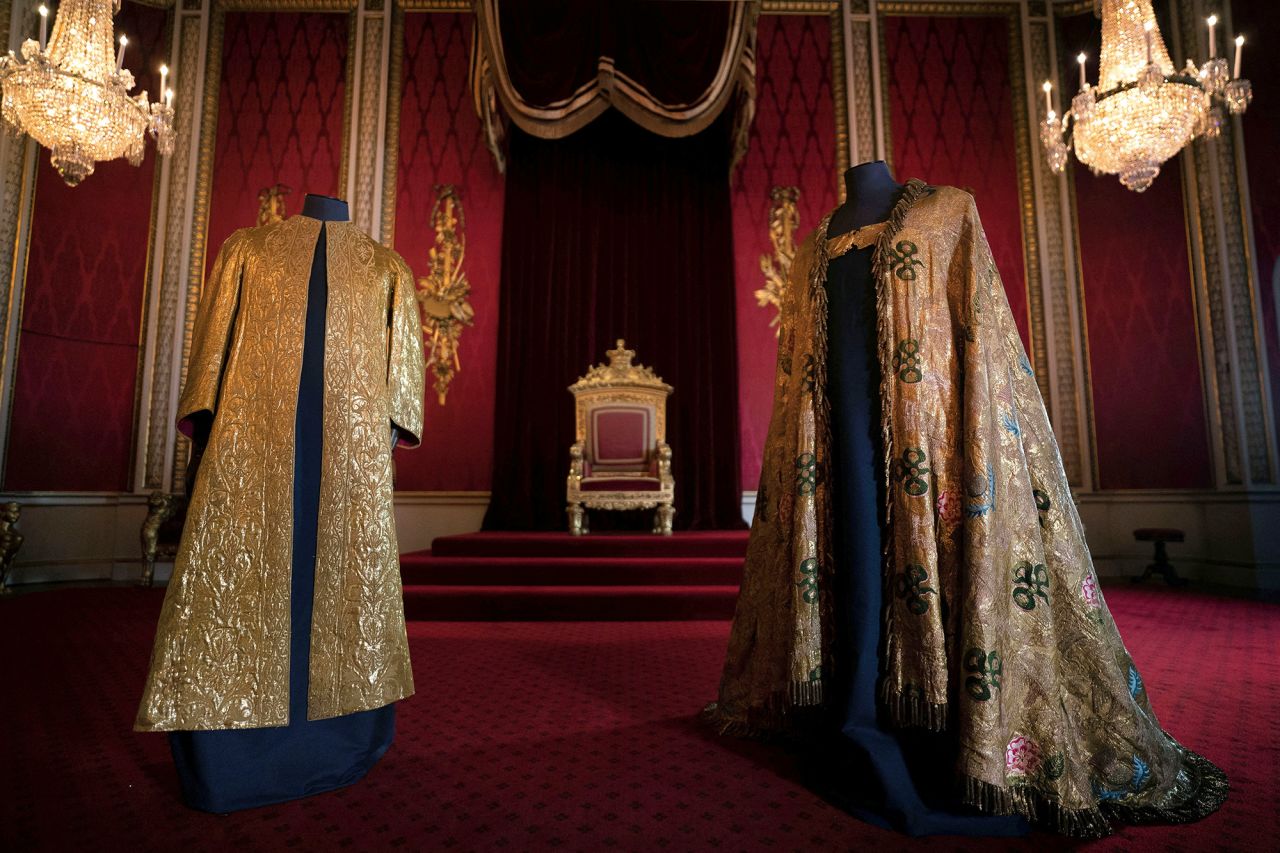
405 366
211 338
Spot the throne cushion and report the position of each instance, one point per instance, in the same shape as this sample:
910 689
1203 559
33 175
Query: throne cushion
621 484
621 437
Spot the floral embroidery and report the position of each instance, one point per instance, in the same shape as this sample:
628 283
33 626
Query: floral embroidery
948 511
1021 757
1089 591
1025 364
1135 681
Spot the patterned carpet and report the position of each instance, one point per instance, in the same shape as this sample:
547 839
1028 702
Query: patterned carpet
562 736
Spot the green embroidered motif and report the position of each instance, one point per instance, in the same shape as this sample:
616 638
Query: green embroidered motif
1032 582
907 361
986 668
903 261
909 586
809 378
808 582
1043 504
911 470
806 474
1054 766
815 674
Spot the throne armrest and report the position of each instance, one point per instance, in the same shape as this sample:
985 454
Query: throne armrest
664 463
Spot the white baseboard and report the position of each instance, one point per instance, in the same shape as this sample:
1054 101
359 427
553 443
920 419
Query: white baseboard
1232 538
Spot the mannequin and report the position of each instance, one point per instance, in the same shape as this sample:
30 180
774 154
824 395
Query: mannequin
228 770
872 749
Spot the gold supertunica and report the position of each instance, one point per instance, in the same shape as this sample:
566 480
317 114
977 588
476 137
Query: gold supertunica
1142 112
73 97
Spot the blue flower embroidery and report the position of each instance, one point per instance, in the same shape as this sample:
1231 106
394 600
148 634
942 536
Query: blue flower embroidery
1135 682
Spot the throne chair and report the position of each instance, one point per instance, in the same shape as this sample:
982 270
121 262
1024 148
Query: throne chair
620 459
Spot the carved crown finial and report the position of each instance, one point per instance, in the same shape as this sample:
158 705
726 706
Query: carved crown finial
620 371
620 358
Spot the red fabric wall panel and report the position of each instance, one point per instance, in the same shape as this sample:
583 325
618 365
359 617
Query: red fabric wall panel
1148 400
1261 64
71 423
280 106
951 122
793 143
441 142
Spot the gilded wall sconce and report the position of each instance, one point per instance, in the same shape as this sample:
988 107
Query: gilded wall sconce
784 222
443 292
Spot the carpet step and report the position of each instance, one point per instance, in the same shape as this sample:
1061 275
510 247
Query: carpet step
710 543
431 569
458 603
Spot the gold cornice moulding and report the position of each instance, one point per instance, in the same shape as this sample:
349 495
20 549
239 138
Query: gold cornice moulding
286 5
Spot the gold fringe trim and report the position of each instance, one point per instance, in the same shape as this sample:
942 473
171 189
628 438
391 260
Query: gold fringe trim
912 710
1036 808
912 192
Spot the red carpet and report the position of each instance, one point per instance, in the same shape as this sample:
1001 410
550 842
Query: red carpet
565 736
553 576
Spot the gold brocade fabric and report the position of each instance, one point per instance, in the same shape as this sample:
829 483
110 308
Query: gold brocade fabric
221 655
995 626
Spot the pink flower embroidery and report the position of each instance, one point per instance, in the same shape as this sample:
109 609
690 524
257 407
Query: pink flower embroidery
948 510
1089 590
1021 757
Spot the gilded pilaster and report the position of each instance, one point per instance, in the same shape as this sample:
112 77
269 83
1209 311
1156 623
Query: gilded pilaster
367 134
17 192
172 249
1064 383
862 119
1228 311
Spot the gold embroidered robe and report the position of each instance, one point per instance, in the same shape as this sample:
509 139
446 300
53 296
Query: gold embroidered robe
221 654
994 623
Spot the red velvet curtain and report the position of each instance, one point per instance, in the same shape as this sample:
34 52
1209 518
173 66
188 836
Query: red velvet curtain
615 232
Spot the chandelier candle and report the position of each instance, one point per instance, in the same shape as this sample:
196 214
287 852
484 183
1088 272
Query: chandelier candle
1239 48
164 77
68 95
1143 110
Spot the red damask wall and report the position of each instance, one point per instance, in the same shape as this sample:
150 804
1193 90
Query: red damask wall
951 122
71 422
793 143
1144 366
280 112
441 142
1261 64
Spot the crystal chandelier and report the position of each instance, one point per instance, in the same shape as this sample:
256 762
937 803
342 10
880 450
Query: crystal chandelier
1142 112
73 97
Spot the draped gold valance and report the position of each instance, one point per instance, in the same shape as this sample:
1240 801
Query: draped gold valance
671 67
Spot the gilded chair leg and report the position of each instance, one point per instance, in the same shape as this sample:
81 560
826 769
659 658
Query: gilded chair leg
148 573
662 519
577 519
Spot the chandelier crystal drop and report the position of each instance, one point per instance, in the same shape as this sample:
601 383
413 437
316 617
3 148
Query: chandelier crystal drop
1142 111
72 96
